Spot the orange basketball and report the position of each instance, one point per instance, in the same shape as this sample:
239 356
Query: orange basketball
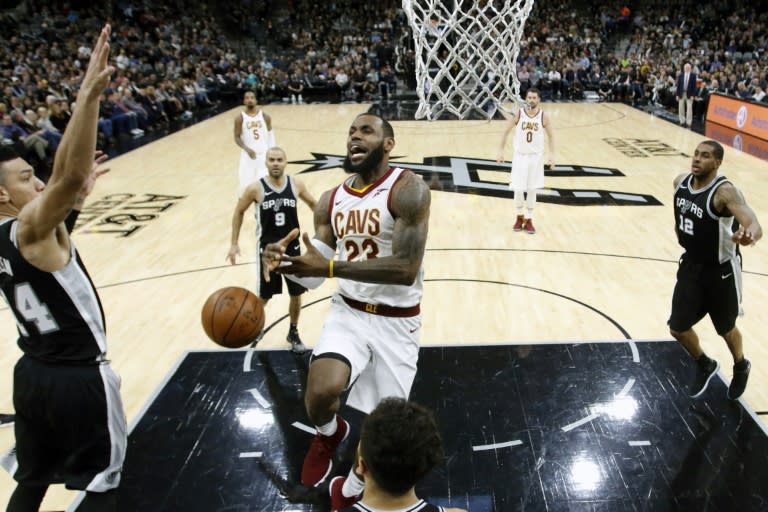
233 317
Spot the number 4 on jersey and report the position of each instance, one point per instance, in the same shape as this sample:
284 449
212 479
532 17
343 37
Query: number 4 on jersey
33 310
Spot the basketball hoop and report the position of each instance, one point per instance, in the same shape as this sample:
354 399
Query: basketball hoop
466 54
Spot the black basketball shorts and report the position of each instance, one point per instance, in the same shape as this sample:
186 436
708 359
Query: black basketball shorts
703 289
275 284
70 425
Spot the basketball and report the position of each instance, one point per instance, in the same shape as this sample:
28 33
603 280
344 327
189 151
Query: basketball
233 317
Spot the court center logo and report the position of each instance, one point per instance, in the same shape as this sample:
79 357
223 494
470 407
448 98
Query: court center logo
122 215
491 179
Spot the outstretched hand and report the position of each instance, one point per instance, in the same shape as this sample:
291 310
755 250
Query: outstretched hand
98 72
99 158
310 264
273 254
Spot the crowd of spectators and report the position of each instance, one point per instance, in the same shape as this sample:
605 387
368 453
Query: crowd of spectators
175 59
166 71
636 54
725 43
338 51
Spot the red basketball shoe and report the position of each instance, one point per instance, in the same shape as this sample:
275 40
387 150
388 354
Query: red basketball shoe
317 463
519 223
529 227
338 500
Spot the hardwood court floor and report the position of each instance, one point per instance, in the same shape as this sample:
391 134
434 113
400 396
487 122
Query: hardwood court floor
600 272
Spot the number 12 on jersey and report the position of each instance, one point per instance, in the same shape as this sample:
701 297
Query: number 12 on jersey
686 226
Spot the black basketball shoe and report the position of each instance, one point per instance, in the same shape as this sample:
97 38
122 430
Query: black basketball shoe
707 368
739 381
7 420
297 347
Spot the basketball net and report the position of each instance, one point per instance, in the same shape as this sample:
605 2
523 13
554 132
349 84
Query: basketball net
466 54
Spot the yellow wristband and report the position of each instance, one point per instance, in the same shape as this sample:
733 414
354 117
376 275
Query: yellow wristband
330 267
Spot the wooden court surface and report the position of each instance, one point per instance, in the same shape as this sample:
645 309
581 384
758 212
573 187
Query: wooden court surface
590 272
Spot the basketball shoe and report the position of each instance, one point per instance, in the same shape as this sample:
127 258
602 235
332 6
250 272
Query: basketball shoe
338 500
318 463
739 380
519 223
7 420
706 370
297 347
529 227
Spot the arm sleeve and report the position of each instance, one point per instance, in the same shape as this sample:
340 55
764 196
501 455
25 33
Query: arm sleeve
313 282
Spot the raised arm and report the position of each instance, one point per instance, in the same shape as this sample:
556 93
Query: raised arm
74 157
253 193
86 190
730 201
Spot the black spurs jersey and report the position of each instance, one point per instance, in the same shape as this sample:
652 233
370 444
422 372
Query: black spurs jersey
278 211
703 233
58 314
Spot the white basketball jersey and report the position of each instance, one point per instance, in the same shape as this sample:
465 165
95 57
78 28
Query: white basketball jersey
254 133
529 133
363 226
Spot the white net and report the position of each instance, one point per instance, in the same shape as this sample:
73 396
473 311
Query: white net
466 53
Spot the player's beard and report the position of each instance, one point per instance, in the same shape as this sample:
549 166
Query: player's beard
368 165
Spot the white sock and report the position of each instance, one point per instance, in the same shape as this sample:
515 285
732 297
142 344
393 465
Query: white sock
329 428
530 202
353 486
519 201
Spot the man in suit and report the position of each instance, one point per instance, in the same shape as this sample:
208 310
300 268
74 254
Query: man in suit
685 94
701 98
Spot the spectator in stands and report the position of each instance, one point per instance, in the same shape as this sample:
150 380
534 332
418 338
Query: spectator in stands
123 120
296 88
27 142
701 99
129 103
60 115
605 90
47 129
387 82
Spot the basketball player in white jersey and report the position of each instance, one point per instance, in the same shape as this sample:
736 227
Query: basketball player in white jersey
254 136
70 426
377 222
527 175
